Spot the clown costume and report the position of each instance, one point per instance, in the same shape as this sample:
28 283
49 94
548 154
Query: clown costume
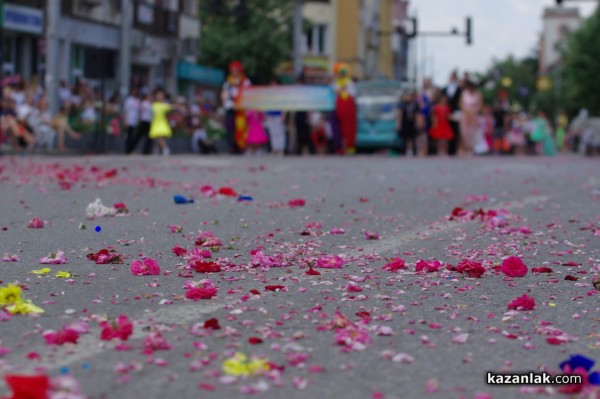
345 107
235 119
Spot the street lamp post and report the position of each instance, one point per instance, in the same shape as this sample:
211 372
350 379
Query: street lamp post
52 53
298 37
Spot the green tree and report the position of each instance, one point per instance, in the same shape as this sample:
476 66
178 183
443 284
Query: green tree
581 77
521 74
259 35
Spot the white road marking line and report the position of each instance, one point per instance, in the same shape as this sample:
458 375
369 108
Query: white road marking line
89 344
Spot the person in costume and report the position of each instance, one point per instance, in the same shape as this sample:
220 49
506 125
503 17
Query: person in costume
235 118
345 107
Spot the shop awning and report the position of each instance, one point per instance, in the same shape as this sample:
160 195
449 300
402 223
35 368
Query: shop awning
200 74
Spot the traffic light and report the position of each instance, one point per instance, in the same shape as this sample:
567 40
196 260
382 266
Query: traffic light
469 31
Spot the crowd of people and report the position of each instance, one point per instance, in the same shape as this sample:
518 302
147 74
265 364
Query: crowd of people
450 120
455 120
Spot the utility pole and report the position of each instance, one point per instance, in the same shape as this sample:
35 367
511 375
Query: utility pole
125 51
362 38
52 64
372 53
298 37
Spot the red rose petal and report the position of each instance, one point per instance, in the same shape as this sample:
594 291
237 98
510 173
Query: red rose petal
205 267
571 278
571 264
542 270
312 272
254 341
296 202
274 287
212 324
206 387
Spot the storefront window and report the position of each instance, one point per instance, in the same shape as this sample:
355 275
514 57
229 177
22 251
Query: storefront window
9 50
77 59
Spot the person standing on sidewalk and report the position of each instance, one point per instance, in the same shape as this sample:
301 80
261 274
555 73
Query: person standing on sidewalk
131 109
302 127
452 92
500 128
276 126
425 99
145 120
408 120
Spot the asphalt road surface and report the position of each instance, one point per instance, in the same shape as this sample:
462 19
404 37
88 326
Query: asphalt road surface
353 332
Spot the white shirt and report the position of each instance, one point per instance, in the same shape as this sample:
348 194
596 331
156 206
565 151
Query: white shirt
146 111
64 93
194 109
451 89
89 115
230 93
132 110
18 97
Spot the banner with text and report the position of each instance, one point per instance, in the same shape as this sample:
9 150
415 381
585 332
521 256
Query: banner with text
288 98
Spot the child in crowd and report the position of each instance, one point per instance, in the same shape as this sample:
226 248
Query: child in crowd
201 143
441 131
408 122
541 135
319 134
160 129
480 146
516 134
488 126
257 137
275 124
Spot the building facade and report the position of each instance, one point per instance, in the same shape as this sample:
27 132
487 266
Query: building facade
361 33
138 42
23 42
110 43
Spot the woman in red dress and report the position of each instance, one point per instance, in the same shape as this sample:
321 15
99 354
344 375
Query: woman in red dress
441 131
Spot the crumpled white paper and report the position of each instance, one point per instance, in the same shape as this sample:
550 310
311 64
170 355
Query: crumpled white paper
97 209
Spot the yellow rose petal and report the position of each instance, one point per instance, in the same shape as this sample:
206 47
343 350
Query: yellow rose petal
552 304
258 365
10 295
24 308
62 274
41 272
235 367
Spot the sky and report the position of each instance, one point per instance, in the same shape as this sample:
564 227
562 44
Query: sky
500 28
